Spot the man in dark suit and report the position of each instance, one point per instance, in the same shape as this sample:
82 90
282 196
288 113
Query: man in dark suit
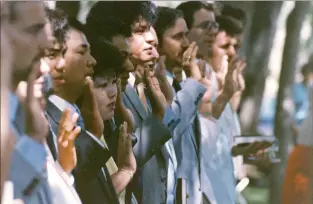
151 130
92 181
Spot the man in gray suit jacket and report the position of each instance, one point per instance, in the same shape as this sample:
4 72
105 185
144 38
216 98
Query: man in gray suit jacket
151 130
26 30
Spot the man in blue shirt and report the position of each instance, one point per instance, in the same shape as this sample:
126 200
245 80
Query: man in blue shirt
26 32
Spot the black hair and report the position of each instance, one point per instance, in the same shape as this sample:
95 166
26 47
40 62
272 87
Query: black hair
189 8
235 12
128 11
109 59
106 28
230 25
77 25
166 18
59 23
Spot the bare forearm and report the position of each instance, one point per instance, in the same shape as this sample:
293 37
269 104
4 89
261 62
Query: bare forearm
120 180
219 104
166 90
235 101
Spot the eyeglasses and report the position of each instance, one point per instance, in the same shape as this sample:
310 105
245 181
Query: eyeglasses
208 25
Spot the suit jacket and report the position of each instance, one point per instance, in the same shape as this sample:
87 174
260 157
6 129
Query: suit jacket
149 183
92 180
27 170
187 138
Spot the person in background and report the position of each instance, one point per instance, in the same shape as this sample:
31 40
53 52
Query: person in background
298 183
301 93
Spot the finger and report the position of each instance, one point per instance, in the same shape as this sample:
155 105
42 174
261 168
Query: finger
30 84
189 50
73 135
161 64
194 52
62 125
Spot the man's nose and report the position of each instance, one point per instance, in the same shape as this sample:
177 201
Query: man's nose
149 38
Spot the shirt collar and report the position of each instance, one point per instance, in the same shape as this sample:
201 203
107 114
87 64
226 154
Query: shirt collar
169 76
131 79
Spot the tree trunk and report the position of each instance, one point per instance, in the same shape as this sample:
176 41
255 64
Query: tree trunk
260 41
283 117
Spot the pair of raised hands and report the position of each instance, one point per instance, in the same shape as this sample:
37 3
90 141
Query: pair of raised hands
230 78
68 131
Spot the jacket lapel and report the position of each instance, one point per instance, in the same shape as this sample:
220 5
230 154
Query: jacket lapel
53 112
132 96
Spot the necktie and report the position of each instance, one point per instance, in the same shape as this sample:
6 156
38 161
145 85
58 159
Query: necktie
80 120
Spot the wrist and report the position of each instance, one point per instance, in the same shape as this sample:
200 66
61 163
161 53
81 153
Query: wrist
128 172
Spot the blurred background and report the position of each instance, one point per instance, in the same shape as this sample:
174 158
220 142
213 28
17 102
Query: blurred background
278 41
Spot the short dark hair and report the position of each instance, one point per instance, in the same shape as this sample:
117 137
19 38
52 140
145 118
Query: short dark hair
230 25
235 12
59 23
189 8
109 59
127 11
76 24
106 28
166 18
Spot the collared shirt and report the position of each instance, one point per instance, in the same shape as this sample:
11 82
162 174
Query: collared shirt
28 155
172 167
222 163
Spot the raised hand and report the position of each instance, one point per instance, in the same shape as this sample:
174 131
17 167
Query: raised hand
232 79
36 124
125 156
139 74
121 110
189 65
67 135
157 98
165 86
221 74
89 110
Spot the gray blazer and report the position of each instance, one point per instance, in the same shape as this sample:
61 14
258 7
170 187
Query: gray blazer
150 183
186 138
27 170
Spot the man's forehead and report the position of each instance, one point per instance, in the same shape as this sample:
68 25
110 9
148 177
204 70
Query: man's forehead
30 13
221 37
77 38
180 26
203 15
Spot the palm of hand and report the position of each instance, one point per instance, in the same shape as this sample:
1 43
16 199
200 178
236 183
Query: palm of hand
90 111
126 159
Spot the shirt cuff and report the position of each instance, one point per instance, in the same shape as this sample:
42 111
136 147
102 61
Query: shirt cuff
170 119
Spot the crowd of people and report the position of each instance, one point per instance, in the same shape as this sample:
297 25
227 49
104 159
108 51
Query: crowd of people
119 109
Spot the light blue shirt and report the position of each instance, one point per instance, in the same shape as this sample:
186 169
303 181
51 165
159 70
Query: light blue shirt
301 100
172 165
